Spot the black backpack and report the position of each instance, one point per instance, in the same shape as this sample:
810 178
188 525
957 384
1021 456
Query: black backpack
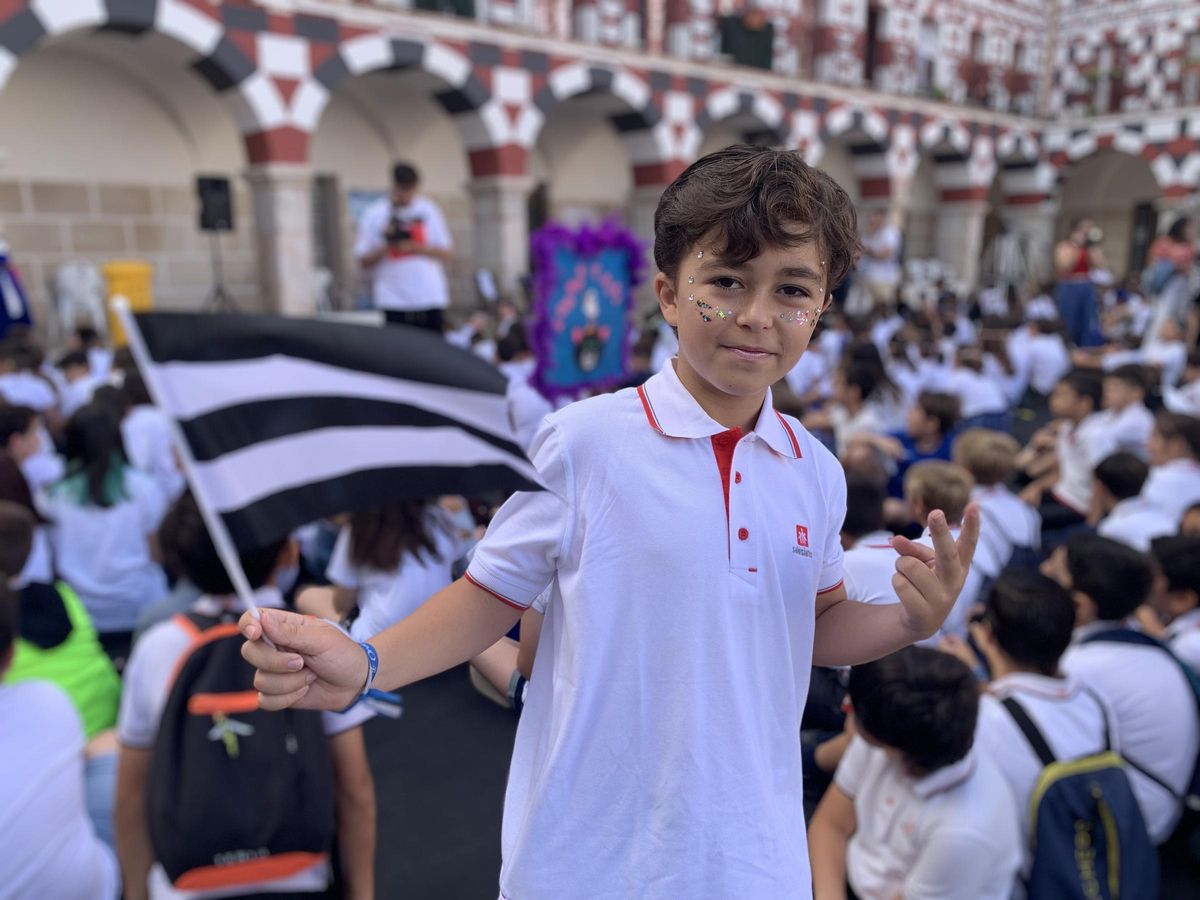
1087 834
237 796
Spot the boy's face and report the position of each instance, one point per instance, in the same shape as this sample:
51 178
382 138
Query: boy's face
743 327
1190 525
1119 393
1156 448
26 444
918 424
1066 403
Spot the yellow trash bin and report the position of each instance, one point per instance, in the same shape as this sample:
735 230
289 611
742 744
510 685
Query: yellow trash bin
132 279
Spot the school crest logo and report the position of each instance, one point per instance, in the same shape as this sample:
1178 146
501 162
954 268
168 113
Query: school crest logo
801 547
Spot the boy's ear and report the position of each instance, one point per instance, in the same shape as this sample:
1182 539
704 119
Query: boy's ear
1180 602
1085 608
668 300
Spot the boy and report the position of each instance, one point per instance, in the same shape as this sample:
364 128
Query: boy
1153 705
1008 527
1176 597
1024 631
1125 415
982 399
863 524
914 811
1080 441
927 427
1174 482
685 522
148 679
869 567
1117 510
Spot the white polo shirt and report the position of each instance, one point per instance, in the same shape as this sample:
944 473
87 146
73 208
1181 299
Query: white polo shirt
1005 523
658 753
1183 637
1129 428
977 394
1173 487
1049 361
1155 712
1079 449
950 834
1136 522
869 569
1071 720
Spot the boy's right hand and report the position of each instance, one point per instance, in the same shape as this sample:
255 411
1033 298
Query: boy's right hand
314 664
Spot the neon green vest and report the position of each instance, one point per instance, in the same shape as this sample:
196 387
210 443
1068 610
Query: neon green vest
78 665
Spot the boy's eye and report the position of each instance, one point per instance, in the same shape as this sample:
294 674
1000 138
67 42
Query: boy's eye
725 282
794 291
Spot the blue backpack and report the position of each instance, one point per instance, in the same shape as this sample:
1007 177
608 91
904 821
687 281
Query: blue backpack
1186 837
1087 834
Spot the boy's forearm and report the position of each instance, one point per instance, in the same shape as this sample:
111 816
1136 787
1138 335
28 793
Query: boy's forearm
850 633
454 625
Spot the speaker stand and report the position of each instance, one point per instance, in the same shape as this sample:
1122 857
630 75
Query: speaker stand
218 299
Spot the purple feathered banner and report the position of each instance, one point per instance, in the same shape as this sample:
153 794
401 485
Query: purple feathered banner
583 306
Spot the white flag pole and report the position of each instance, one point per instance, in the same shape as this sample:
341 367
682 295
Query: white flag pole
212 520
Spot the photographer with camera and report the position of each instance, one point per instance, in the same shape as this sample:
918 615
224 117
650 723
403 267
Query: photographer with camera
1075 258
404 244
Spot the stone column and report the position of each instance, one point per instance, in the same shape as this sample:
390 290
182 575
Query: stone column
282 198
501 213
959 239
1034 221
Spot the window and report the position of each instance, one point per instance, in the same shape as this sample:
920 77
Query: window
927 54
749 38
871 56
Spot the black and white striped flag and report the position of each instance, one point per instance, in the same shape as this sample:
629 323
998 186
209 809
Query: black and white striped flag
290 420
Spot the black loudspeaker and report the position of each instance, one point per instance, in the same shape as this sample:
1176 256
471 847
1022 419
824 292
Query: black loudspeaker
216 203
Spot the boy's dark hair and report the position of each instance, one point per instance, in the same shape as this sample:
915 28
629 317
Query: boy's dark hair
512 344
1047 326
943 407
16 538
87 336
14 420
1122 474
1086 383
188 551
115 398
1031 617
1131 373
73 360
862 376
404 175
919 701
380 538
864 506
1115 576
1177 425
751 198
1178 558
135 387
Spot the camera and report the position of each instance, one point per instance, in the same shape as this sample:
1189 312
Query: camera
1094 236
397 230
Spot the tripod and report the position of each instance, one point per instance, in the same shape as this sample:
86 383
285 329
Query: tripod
218 299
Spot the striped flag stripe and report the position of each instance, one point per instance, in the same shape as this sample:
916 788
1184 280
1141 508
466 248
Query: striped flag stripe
267 520
186 337
242 477
195 389
236 427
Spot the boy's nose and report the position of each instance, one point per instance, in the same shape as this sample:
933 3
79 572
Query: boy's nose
755 312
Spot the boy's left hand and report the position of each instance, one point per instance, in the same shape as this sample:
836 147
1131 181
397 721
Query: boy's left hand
928 580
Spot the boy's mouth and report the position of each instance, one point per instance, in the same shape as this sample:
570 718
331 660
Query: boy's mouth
748 352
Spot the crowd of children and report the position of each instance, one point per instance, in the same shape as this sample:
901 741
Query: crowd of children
1075 633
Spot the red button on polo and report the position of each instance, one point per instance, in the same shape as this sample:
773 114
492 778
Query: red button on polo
737 477
743 534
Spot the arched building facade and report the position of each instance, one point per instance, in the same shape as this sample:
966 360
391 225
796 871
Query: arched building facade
532 109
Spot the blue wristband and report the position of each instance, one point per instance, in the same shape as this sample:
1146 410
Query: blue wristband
372 666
